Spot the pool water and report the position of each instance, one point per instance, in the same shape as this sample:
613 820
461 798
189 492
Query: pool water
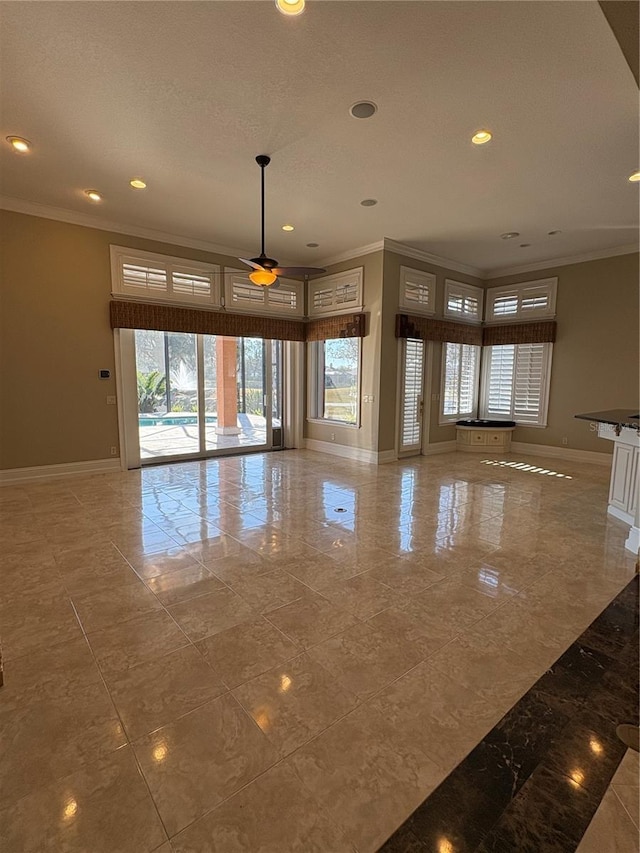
173 420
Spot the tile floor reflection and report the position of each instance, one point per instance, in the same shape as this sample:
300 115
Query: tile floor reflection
282 651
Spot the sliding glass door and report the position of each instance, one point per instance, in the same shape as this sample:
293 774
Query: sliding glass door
201 395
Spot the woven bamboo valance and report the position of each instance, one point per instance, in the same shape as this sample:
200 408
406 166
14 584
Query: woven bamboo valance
428 329
520 333
173 318
344 326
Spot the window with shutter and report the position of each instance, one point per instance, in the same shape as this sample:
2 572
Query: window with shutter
459 381
462 301
161 278
417 291
241 295
524 301
335 294
412 383
516 383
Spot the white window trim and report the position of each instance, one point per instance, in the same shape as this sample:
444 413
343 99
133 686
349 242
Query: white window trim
121 255
314 391
333 282
519 290
447 420
264 308
544 395
409 276
450 285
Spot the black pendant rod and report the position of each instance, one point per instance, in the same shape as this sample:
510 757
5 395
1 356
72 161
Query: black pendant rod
263 161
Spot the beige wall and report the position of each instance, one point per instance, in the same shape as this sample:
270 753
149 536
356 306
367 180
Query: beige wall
55 286
364 437
389 370
596 354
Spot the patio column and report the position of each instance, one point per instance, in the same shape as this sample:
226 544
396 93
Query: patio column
227 386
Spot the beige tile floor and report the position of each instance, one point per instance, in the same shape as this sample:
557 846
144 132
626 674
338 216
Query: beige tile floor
615 827
208 656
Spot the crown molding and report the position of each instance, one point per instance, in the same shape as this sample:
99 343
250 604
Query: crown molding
628 249
72 217
406 251
427 257
350 254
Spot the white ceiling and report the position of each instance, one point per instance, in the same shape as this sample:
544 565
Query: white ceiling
186 94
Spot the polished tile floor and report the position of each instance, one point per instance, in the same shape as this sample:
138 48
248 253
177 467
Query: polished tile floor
281 651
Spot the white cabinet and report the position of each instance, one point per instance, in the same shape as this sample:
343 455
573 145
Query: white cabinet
625 479
480 438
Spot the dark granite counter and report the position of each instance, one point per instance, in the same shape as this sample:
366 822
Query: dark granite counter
617 417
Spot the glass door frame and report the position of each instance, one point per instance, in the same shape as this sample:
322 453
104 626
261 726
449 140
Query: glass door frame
127 395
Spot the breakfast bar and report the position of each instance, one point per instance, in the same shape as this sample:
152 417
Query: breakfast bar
622 427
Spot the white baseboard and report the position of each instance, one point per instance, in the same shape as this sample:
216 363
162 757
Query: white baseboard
356 454
39 472
633 540
620 514
561 453
439 447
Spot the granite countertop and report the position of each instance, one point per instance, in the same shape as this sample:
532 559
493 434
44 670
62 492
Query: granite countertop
618 417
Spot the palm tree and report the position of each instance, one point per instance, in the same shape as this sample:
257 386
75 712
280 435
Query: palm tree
152 388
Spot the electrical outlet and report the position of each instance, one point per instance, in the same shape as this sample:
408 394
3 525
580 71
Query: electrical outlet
111 401
565 440
333 436
114 451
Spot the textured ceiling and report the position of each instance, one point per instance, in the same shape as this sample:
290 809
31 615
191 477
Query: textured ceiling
187 93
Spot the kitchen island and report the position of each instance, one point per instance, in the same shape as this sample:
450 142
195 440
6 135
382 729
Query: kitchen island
622 427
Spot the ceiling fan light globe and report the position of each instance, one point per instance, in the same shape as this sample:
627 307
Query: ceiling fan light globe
290 7
263 278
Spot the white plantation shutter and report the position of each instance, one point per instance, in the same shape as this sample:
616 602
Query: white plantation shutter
161 278
499 386
142 278
505 305
462 301
335 294
189 282
529 383
412 383
417 291
459 380
524 301
516 383
242 295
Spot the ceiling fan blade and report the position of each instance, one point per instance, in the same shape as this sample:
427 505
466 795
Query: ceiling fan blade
285 271
251 264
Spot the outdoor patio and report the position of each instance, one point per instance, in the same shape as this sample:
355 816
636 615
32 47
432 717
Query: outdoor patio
171 439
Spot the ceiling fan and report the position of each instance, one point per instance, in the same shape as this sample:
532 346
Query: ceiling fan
266 270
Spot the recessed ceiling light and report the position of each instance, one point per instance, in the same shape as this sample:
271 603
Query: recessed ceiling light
363 109
524 245
290 7
553 233
287 228
509 235
481 136
94 195
137 183
23 145
369 202
635 177
312 245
